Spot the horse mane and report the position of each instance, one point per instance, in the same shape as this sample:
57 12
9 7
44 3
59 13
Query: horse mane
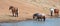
10 7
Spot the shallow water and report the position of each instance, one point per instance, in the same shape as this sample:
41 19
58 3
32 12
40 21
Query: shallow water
48 22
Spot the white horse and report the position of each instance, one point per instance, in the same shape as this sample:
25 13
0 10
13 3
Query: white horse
51 11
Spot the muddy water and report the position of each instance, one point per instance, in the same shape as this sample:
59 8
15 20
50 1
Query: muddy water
48 22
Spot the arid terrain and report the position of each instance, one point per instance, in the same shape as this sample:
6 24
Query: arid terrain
26 8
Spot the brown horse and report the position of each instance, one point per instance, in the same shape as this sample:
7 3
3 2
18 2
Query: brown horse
56 12
37 16
14 11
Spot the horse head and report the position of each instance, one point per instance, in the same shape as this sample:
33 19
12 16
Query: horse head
10 7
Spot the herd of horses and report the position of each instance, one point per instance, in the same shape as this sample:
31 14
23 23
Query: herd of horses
36 15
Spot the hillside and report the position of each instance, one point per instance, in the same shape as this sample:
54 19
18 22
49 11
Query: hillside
27 7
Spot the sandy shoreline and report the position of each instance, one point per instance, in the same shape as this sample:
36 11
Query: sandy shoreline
15 19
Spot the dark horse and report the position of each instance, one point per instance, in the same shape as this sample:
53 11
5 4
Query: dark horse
37 16
14 11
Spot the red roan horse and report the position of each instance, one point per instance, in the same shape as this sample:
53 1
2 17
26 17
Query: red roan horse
56 12
14 11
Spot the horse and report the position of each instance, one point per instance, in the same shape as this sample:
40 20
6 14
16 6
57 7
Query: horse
51 11
56 12
14 11
38 16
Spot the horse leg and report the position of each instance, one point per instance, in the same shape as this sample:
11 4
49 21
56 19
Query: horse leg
16 14
33 17
51 13
38 18
57 14
12 13
44 18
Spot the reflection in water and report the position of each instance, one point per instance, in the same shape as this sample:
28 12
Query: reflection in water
48 22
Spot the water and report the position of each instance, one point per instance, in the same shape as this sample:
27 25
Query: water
48 22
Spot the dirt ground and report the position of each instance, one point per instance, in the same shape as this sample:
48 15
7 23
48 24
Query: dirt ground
26 8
